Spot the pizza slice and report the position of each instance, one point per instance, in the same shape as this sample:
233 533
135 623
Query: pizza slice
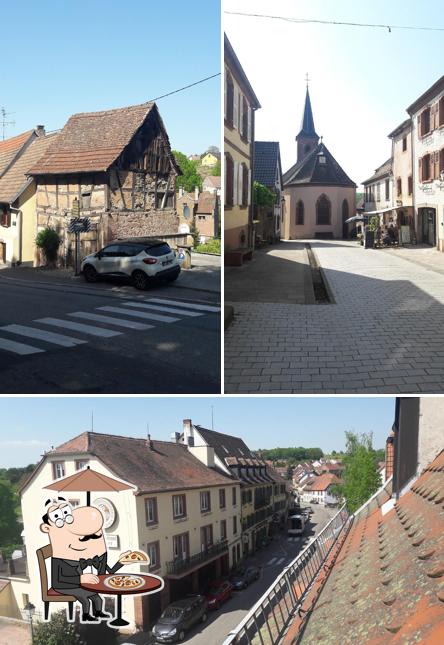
134 557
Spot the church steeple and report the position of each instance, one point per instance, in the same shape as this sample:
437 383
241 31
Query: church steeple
307 139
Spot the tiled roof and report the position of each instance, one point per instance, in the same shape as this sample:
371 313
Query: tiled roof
206 203
387 585
14 181
212 181
168 466
92 141
311 171
323 482
266 160
382 171
10 147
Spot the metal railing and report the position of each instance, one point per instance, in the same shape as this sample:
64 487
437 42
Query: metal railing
175 567
269 618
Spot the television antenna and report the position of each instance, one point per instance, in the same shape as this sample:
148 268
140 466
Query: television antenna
4 121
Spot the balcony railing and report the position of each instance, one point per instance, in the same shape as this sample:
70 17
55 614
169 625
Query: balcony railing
270 617
176 567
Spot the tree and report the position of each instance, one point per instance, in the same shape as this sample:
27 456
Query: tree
216 171
49 241
194 232
189 178
361 478
9 526
213 149
57 631
262 196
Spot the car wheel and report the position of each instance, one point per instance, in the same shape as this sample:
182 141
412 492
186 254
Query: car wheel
140 280
204 618
181 635
90 274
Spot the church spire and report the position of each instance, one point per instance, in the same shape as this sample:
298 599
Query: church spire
307 138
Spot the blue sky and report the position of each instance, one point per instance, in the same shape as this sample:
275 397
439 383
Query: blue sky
60 58
362 79
30 425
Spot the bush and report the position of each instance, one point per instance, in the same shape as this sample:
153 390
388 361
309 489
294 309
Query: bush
49 241
212 246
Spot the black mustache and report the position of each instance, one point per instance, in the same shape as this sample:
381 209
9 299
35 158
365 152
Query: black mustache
93 536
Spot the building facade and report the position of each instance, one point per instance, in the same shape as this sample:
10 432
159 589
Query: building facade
268 172
319 196
240 104
184 513
427 119
402 173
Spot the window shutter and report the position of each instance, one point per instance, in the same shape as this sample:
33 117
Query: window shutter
249 186
241 116
235 177
420 169
236 109
418 119
249 124
240 185
225 94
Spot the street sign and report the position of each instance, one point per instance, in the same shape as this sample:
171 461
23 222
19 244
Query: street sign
79 225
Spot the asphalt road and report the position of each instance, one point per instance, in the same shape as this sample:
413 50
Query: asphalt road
175 348
272 559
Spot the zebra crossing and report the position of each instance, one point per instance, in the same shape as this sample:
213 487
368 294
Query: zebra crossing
276 561
44 334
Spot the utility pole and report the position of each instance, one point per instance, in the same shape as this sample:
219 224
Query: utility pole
4 115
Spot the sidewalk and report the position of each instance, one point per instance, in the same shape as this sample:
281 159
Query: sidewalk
424 255
204 275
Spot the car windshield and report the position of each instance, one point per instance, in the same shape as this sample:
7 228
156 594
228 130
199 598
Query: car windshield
172 615
158 249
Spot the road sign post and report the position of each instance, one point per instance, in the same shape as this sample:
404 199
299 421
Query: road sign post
78 225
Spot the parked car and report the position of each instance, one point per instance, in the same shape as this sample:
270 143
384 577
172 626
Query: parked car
219 593
143 261
179 617
241 579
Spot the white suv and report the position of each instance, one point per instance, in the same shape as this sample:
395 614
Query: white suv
143 260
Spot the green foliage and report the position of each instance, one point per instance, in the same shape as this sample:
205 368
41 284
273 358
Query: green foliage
262 196
361 478
291 454
216 171
194 232
189 178
9 527
373 223
14 475
49 241
212 246
57 631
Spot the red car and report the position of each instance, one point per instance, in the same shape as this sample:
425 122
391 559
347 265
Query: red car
218 593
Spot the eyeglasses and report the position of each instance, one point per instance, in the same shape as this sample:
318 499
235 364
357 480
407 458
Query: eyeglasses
61 515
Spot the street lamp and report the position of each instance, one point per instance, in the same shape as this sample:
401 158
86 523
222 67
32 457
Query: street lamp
30 609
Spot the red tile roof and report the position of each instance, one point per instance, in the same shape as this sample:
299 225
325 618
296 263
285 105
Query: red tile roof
207 203
10 147
323 482
92 141
387 585
168 466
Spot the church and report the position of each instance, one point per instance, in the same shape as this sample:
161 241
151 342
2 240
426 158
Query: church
319 195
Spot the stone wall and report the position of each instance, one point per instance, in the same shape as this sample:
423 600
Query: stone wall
142 224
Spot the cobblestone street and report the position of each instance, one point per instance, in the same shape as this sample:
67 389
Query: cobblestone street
384 334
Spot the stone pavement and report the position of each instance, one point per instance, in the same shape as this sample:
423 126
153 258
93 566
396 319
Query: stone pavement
385 334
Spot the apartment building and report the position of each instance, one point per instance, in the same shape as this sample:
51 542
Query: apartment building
263 493
183 511
240 103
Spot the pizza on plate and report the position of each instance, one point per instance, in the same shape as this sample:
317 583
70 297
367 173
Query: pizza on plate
125 582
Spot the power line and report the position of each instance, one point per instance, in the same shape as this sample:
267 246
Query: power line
186 87
333 22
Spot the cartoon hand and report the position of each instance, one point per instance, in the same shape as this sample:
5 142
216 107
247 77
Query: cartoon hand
89 579
124 555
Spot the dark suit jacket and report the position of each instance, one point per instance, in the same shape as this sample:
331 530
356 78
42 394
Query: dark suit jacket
65 574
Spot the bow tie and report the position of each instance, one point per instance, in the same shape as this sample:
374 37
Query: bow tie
90 562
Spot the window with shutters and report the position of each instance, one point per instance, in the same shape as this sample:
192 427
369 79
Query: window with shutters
240 184
5 219
441 111
424 119
300 213
404 144
229 174
244 185
323 211
378 192
399 186
244 119
441 161
387 189
425 168
410 184
229 99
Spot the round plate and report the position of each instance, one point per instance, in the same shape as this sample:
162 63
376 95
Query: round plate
140 582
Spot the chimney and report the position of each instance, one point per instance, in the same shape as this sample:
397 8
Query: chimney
196 193
150 443
175 436
389 456
40 130
188 435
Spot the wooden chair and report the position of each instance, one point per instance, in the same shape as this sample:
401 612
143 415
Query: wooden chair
48 593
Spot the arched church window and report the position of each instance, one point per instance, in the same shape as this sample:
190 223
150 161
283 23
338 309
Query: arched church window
345 211
300 212
323 211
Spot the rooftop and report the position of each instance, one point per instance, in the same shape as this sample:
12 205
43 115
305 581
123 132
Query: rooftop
384 170
323 482
236 68
311 171
10 147
267 162
207 203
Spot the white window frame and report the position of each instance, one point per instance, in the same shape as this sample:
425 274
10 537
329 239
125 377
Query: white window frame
241 114
235 182
57 465
250 120
178 501
150 505
150 548
240 180
249 187
236 108
205 495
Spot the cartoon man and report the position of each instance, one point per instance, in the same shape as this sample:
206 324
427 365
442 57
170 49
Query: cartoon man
78 553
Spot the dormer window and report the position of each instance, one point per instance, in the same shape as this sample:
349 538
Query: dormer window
322 158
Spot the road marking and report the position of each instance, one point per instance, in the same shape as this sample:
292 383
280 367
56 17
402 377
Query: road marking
85 329
187 305
139 314
119 322
168 310
42 334
271 562
280 561
18 348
